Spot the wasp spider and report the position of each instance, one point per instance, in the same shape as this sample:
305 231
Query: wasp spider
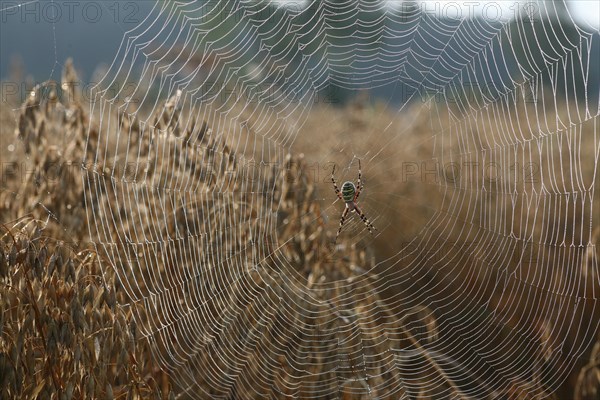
349 194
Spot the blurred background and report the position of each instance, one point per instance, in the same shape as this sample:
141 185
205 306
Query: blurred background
36 37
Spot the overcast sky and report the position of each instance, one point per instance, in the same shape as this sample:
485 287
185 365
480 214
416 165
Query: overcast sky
587 10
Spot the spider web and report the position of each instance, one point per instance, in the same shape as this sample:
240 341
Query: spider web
485 293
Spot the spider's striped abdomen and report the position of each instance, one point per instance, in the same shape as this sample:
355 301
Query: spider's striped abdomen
348 192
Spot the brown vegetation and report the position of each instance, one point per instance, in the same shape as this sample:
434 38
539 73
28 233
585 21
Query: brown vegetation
74 326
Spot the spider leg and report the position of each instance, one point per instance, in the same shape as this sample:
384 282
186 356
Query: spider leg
335 187
344 214
359 185
369 225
